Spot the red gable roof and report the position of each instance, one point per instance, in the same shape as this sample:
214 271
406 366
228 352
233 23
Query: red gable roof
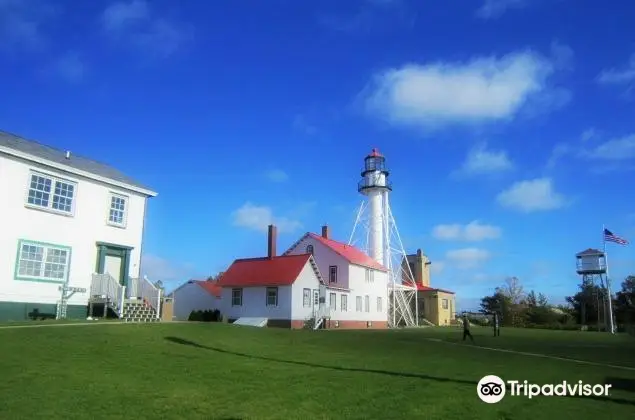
259 272
349 252
211 287
422 288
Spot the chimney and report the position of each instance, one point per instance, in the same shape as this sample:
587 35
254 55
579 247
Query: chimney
273 233
68 154
325 232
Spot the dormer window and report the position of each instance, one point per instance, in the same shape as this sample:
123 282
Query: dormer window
309 249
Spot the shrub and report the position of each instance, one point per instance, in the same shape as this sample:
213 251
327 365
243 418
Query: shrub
205 316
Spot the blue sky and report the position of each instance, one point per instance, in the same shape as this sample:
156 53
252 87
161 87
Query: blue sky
509 125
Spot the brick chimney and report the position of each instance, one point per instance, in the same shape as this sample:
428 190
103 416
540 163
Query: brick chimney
326 232
271 242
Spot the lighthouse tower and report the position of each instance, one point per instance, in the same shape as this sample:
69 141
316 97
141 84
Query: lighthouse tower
375 232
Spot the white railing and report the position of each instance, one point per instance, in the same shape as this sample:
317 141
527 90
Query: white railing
144 289
105 286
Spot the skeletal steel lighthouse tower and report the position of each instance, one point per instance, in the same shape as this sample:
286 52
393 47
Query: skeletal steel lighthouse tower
381 240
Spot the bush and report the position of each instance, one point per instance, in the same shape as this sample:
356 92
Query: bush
205 316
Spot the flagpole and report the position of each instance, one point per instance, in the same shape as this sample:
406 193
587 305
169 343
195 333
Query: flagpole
608 282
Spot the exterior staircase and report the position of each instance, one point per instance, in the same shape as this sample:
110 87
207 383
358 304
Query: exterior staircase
139 302
138 311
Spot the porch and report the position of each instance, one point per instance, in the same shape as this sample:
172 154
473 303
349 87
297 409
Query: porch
136 300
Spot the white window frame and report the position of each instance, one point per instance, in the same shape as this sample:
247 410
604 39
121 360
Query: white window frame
306 298
344 302
379 304
271 299
333 301
54 180
358 304
46 248
444 303
126 205
332 277
366 303
239 297
309 249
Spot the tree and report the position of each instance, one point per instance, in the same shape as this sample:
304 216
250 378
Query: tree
588 303
625 302
215 277
513 290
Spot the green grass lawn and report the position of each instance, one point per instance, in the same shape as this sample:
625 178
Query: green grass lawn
189 371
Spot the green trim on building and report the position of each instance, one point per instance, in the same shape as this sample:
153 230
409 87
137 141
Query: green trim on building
19 311
16 266
106 249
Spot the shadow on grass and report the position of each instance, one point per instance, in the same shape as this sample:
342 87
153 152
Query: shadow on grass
316 365
622 384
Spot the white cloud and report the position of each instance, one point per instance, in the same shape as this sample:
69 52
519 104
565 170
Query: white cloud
559 151
619 76
133 23
70 67
481 161
436 267
471 232
589 134
562 55
260 217
467 258
495 8
22 23
532 195
483 89
277 175
158 268
121 15
622 148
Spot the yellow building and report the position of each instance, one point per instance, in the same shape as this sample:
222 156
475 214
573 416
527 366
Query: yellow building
437 306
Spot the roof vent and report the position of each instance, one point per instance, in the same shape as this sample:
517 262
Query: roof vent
68 154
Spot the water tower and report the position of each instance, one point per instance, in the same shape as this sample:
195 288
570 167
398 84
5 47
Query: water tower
591 265
381 241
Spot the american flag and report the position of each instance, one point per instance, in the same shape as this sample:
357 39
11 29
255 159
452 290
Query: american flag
611 237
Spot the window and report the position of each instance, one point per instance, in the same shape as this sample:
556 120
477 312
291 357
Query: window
333 274
309 249
316 298
367 303
358 303
344 303
237 297
371 276
306 298
42 262
118 208
333 300
51 193
272 296
379 308
367 275
444 303
412 270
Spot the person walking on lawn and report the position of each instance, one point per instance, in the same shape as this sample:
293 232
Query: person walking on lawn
466 328
497 328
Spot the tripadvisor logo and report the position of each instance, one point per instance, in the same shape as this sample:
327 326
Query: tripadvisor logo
492 389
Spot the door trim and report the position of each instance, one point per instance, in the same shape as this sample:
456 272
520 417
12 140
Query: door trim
107 249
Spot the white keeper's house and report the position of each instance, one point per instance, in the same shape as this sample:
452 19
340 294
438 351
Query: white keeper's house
68 222
318 283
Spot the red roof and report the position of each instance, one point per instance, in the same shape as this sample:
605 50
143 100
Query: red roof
260 272
349 252
375 153
422 288
211 287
